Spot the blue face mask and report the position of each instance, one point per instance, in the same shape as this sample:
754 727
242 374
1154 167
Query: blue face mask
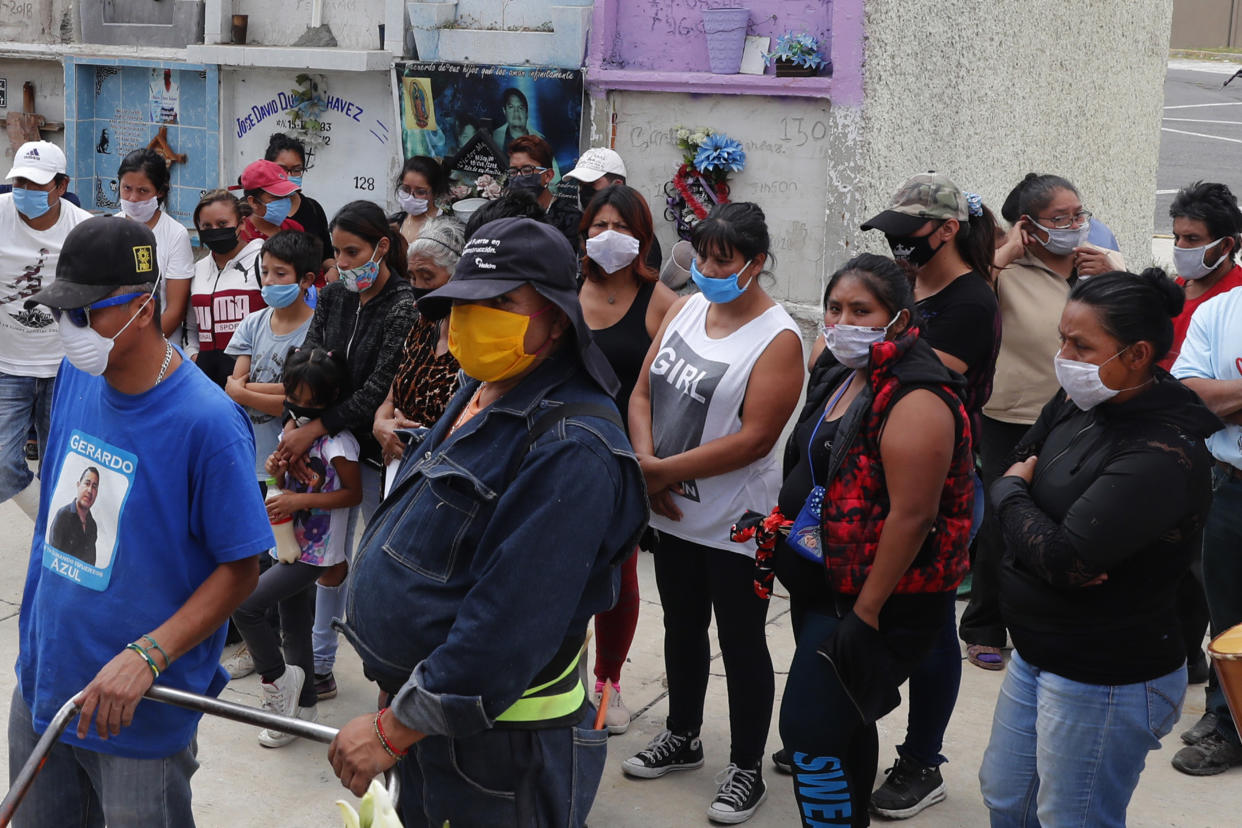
296 179
278 210
280 296
718 291
30 203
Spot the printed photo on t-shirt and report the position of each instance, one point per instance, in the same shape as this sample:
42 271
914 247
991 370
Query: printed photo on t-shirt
84 514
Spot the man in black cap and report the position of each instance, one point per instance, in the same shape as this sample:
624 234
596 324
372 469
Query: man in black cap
501 538
177 535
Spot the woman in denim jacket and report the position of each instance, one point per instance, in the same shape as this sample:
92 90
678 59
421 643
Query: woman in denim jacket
501 538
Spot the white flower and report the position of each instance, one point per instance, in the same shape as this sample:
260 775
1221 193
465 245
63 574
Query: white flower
683 134
698 137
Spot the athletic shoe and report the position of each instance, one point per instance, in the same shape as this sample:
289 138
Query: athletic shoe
739 795
281 696
1209 756
240 663
275 738
325 686
1205 725
784 764
667 752
909 788
617 718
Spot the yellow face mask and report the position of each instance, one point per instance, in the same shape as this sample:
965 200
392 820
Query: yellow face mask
489 343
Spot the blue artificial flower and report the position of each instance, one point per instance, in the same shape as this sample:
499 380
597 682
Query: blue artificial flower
720 152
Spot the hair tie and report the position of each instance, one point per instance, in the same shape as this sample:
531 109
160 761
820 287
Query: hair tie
974 204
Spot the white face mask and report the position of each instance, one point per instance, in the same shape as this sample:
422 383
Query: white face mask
140 210
1082 381
1191 262
851 344
1063 242
612 250
85 348
412 204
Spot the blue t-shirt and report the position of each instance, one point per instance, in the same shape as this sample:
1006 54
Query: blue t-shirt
166 479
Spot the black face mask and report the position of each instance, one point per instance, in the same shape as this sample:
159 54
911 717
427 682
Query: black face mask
219 240
915 251
296 412
532 183
586 192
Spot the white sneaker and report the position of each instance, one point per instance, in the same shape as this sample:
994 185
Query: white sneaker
275 738
617 718
240 663
281 696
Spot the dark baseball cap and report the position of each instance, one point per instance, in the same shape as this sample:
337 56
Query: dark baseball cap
509 252
100 255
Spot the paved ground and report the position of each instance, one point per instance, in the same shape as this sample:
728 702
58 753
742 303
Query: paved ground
1201 130
242 784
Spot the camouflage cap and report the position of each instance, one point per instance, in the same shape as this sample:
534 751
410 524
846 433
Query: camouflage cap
924 197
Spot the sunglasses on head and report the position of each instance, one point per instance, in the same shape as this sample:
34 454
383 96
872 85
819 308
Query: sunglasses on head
80 317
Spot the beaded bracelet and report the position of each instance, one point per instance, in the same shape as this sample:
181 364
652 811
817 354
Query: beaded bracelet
388 746
156 645
150 662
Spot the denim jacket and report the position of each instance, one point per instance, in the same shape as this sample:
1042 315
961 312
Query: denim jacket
475 570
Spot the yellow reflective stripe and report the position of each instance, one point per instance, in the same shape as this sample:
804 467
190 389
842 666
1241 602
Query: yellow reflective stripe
534 708
545 708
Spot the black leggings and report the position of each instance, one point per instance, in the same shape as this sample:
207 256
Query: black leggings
291 588
833 748
694 581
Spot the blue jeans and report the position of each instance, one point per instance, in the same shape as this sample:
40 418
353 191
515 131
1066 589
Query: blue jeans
80 788
526 778
1066 753
1222 579
24 402
330 601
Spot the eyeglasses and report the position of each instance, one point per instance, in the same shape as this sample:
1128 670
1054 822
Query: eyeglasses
80 317
529 169
1066 222
294 171
421 192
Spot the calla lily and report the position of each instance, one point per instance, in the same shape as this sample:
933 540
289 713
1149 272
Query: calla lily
376 809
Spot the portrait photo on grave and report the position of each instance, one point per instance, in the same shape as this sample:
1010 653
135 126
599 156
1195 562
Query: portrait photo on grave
445 105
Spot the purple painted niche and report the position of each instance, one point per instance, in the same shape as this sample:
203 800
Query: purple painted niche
667 35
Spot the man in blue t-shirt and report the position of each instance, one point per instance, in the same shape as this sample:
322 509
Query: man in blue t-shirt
177 528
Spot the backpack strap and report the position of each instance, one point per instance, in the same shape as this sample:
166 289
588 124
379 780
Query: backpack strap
548 421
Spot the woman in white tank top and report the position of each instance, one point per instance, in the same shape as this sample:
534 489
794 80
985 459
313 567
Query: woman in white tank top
721 380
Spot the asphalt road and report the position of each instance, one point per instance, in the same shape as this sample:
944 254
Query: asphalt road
1201 132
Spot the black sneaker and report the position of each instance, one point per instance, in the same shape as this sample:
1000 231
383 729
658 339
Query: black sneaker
1209 756
782 761
739 795
909 788
1205 725
325 686
667 752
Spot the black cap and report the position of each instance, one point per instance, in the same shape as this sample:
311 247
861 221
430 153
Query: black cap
100 255
509 252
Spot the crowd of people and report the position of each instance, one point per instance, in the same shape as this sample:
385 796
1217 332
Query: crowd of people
451 441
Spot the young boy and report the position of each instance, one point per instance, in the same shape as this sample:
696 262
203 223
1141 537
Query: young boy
290 262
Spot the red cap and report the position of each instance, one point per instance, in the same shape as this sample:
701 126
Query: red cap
269 177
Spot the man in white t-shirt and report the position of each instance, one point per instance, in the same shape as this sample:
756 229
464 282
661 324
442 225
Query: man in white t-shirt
1210 364
34 221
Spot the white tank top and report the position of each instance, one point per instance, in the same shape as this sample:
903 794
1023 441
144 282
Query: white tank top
697 388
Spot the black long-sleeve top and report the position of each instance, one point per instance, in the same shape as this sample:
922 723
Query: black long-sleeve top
372 336
1120 490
